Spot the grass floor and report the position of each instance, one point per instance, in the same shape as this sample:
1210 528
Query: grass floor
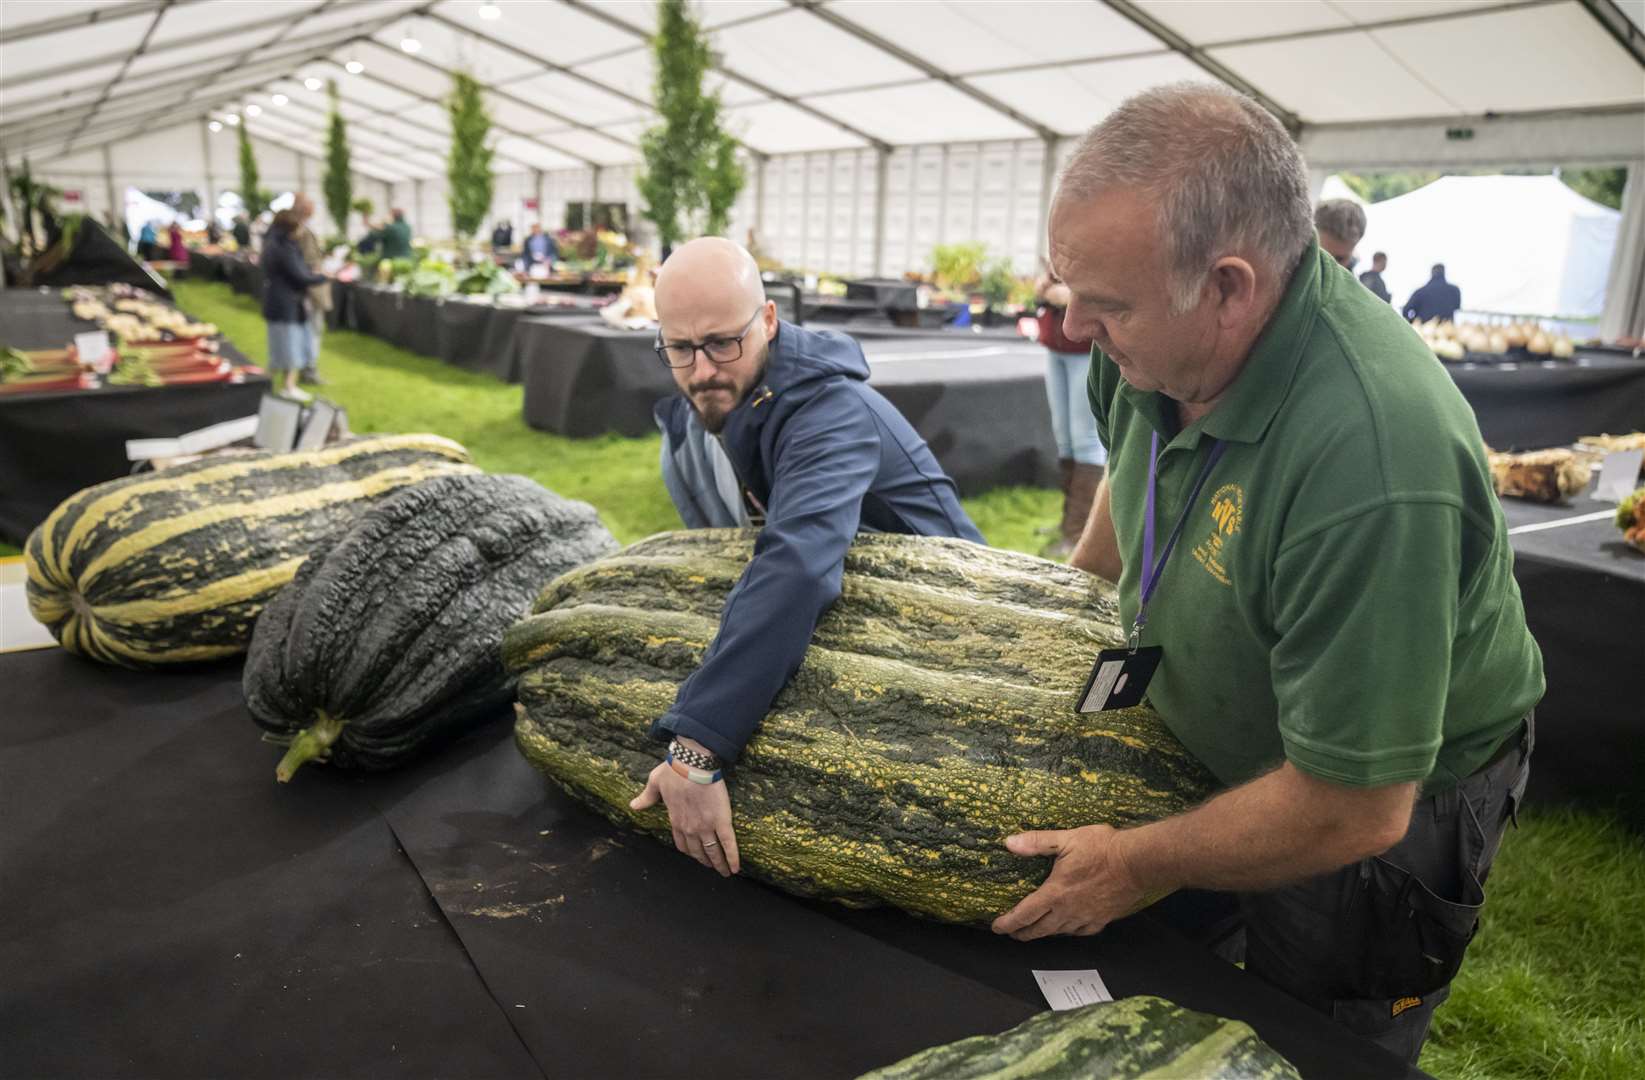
1555 982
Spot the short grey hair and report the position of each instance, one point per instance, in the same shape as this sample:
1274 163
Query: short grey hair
1226 175
1341 217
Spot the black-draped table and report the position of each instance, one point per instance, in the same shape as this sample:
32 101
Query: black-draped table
53 443
173 911
1538 403
1584 594
977 399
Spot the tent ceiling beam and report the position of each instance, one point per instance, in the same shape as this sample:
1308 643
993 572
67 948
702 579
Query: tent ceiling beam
1619 26
515 99
150 110
914 60
125 66
386 137
241 61
420 96
165 46
1600 136
301 51
570 72
606 17
1383 24
85 18
1198 57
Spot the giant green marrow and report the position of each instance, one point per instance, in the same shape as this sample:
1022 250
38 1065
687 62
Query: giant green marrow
388 641
932 717
1114 1040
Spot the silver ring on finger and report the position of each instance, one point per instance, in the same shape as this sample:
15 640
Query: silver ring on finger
711 843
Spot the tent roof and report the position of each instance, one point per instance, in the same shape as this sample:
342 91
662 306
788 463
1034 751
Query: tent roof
569 82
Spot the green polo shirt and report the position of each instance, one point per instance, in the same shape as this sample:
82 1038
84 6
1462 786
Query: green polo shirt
1343 594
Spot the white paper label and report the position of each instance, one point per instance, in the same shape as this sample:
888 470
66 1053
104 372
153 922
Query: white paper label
92 346
1618 475
1072 989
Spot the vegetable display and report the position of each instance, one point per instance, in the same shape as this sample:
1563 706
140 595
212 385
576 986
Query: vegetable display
1630 518
174 566
1540 475
388 641
933 715
1134 1037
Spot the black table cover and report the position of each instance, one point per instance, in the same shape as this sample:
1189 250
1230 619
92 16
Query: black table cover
52 444
173 911
978 400
1584 594
1543 403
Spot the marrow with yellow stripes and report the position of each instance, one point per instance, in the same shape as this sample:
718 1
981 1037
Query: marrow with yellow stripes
932 717
388 640
173 566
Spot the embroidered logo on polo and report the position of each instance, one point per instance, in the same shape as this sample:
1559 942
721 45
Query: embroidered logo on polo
1227 510
1405 1003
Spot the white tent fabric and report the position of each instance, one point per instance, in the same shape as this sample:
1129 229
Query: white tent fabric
1516 245
874 129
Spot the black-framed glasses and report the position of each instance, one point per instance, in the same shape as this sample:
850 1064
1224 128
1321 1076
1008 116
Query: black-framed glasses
720 350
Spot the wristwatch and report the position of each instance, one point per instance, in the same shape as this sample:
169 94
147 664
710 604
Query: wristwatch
698 766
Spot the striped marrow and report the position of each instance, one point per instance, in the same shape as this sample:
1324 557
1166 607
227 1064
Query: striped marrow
174 566
1135 1037
932 717
388 641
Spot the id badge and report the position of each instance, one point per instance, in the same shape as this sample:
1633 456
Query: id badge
1119 678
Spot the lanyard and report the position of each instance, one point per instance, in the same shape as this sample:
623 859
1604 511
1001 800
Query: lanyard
1153 569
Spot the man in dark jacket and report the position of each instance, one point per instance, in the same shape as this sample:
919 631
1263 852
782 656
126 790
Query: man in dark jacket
776 425
1372 278
1438 299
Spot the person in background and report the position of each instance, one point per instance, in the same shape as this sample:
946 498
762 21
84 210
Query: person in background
175 249
395 237
1081 456
214 232
1340 224
242 232
147 241
540 247
1438 299
1372 278
319 296
285 303
502 237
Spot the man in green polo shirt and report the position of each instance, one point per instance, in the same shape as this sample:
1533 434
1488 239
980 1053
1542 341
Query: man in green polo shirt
1342 641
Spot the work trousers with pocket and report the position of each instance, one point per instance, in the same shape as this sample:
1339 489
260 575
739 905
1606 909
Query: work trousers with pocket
1376 944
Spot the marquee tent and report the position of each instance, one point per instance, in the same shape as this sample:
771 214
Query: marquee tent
1518 245
874 129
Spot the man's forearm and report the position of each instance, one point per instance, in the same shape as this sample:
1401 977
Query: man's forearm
1279 828
1098 551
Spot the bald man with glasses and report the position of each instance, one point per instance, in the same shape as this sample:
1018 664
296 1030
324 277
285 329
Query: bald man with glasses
775 426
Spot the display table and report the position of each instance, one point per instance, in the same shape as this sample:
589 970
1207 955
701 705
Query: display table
1584 594
52 444
977 400
175 912
1522 406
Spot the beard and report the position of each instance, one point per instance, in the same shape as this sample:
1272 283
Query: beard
713 412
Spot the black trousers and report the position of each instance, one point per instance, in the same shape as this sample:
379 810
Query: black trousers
1376 944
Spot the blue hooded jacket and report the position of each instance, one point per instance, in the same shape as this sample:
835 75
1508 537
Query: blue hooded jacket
825 455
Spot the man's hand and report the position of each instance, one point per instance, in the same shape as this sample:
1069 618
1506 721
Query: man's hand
700 815
1090 886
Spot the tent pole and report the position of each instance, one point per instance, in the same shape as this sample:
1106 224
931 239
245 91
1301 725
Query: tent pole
115 212
1048 179
211 188
1624 311
882 169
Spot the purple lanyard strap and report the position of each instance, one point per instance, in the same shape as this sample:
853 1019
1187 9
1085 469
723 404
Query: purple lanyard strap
1153 570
